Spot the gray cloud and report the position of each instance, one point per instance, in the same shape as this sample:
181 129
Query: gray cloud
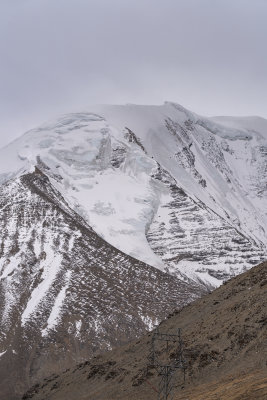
60 56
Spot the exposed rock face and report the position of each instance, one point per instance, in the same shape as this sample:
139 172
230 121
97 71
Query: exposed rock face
224 336
186 233
65 292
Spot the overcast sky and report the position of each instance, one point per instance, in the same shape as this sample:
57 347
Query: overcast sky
63 55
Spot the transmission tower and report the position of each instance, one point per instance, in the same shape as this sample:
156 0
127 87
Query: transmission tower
165 367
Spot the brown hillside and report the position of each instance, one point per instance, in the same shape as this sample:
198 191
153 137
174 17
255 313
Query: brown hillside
225 335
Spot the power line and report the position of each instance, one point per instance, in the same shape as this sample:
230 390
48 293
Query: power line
164 366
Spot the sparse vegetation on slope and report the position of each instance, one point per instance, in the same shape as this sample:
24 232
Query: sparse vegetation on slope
225 335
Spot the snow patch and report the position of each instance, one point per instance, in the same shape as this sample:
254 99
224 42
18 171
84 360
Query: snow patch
149 322
1 354
51 266
55 313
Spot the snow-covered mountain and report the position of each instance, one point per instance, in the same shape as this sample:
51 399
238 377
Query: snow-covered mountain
113 217
180 192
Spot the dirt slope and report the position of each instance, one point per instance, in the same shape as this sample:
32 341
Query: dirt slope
225 335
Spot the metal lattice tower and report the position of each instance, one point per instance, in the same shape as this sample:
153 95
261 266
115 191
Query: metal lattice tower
166 368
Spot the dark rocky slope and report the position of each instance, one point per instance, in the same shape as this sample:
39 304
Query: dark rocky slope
225 335
65 293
